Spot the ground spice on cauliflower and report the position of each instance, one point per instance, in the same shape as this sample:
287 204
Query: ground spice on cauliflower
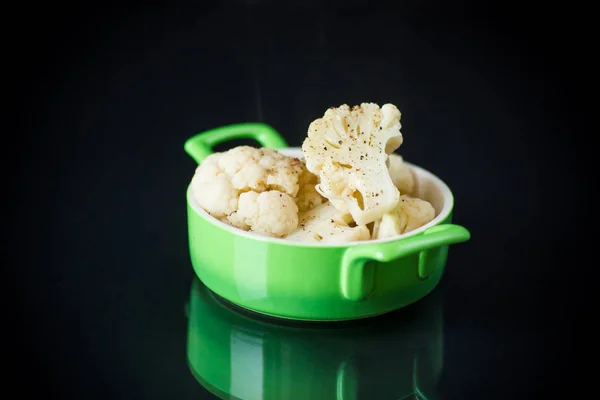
253 188
347 148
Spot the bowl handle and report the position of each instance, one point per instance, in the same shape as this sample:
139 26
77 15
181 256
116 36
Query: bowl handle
200 145
357 277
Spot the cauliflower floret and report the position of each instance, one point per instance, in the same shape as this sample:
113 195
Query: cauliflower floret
308 197
402 176
221 179
411 213
260 169
271 213
348 149
326 224
214 192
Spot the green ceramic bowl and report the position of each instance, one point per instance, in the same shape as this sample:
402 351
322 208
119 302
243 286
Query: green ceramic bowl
320 282
239 356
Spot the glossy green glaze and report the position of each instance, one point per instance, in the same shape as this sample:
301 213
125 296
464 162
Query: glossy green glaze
200 146
239 356
307 281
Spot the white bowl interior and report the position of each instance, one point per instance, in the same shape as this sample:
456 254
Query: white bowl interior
428 187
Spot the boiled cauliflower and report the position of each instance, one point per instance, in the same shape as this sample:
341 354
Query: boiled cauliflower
402 176
270 213
411 213
253 189
326 224
348 149
308 197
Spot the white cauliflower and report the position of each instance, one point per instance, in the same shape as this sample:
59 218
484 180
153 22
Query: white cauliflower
308 197
271 213
326 224
402 176
348 149
411 213
252 189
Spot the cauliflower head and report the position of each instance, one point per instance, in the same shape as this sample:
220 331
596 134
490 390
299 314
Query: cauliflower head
348 149
270 213
411 213
402 176
308 197
327 225
251 188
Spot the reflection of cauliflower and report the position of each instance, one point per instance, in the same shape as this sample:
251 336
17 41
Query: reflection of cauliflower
411 213
326 224
347 149
402 176
253 189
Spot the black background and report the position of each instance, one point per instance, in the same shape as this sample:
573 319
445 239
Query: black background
107 96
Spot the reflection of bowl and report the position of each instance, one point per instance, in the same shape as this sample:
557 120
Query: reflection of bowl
317 281
242 355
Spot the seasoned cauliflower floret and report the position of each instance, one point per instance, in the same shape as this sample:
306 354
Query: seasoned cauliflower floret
326 224
402 176
222 179
348 149
271 213
411 213
260 169
214 192
308 197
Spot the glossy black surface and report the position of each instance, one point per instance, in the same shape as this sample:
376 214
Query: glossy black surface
98 235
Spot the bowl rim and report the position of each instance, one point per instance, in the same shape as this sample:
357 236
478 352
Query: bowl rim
448 205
